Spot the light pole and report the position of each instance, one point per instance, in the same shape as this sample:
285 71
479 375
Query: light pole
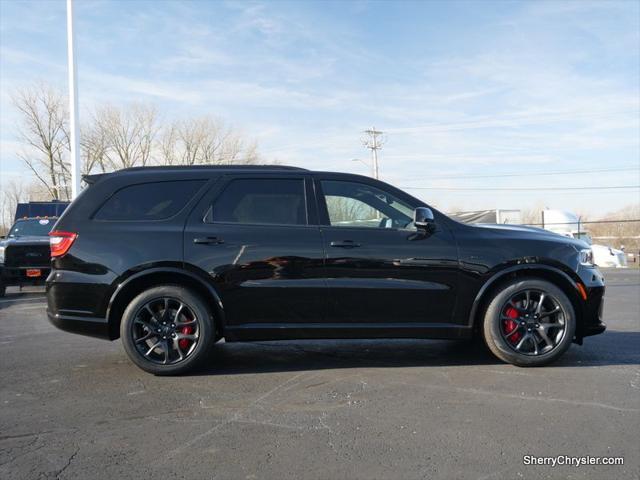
73 105
372 167
374 140
374 151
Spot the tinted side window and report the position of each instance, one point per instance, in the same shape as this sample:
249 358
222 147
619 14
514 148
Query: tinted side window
352 204
149 201
261 201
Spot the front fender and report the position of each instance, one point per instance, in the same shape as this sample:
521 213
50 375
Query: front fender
569 283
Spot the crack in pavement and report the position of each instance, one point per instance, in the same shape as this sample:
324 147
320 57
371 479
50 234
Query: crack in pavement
67 464
24 435
523 397
232 418
23 453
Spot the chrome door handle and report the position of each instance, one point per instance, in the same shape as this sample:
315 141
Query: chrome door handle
345 244
208 240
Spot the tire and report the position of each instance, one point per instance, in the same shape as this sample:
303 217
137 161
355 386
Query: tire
549 335
3 288
140 326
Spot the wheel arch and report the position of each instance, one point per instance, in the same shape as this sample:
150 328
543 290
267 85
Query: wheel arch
140 281
545 272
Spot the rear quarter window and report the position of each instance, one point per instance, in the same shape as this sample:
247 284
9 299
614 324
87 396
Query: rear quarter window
148 201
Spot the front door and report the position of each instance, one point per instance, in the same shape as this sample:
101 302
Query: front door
379 269
258 241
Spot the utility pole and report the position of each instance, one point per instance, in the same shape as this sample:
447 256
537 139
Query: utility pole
73 106
373 140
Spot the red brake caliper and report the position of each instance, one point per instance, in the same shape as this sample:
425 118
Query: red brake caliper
510 324
186 330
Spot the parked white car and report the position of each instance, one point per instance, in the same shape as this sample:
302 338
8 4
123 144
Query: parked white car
604 256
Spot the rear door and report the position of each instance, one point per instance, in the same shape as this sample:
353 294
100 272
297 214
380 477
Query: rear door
258 239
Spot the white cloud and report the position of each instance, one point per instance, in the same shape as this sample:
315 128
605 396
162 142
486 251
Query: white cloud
129 88
551 85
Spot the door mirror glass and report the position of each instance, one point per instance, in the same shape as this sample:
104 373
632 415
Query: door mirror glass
423 219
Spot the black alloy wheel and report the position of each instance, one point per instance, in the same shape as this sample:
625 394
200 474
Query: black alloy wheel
529 322
167 330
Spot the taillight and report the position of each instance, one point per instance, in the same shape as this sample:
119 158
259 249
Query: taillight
60 242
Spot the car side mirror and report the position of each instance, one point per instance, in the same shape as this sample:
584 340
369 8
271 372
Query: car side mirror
423 220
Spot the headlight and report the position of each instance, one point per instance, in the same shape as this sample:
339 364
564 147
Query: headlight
1 255
586 256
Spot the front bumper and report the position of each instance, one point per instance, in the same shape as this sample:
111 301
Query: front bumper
592 308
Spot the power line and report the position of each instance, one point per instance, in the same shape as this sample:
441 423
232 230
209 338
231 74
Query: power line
586 222
561 194
492 122
518 189
536 174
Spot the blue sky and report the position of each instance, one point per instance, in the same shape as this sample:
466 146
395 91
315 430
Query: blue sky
462 89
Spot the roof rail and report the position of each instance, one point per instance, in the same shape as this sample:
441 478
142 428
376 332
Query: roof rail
214 167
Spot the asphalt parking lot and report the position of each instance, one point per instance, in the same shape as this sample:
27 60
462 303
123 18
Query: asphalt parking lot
75 407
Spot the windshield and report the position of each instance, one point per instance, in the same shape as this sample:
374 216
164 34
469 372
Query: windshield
31 227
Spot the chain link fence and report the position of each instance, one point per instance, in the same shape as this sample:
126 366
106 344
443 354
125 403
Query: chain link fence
619 234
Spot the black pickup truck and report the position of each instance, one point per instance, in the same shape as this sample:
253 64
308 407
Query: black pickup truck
24 254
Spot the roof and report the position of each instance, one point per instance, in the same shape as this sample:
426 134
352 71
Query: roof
53 208
91 179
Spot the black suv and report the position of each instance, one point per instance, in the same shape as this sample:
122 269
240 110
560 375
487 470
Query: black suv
172 259
24 254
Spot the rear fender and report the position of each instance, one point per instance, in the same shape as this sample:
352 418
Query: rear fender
128 288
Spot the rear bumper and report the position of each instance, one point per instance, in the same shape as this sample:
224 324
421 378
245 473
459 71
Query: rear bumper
76 302
91 326
18 276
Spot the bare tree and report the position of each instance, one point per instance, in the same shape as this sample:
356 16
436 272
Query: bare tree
129 132
13 192
532 215
17 191
117 137
44 132
195 138
94 144
204 141
169 154
621 227
349 210
235 149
